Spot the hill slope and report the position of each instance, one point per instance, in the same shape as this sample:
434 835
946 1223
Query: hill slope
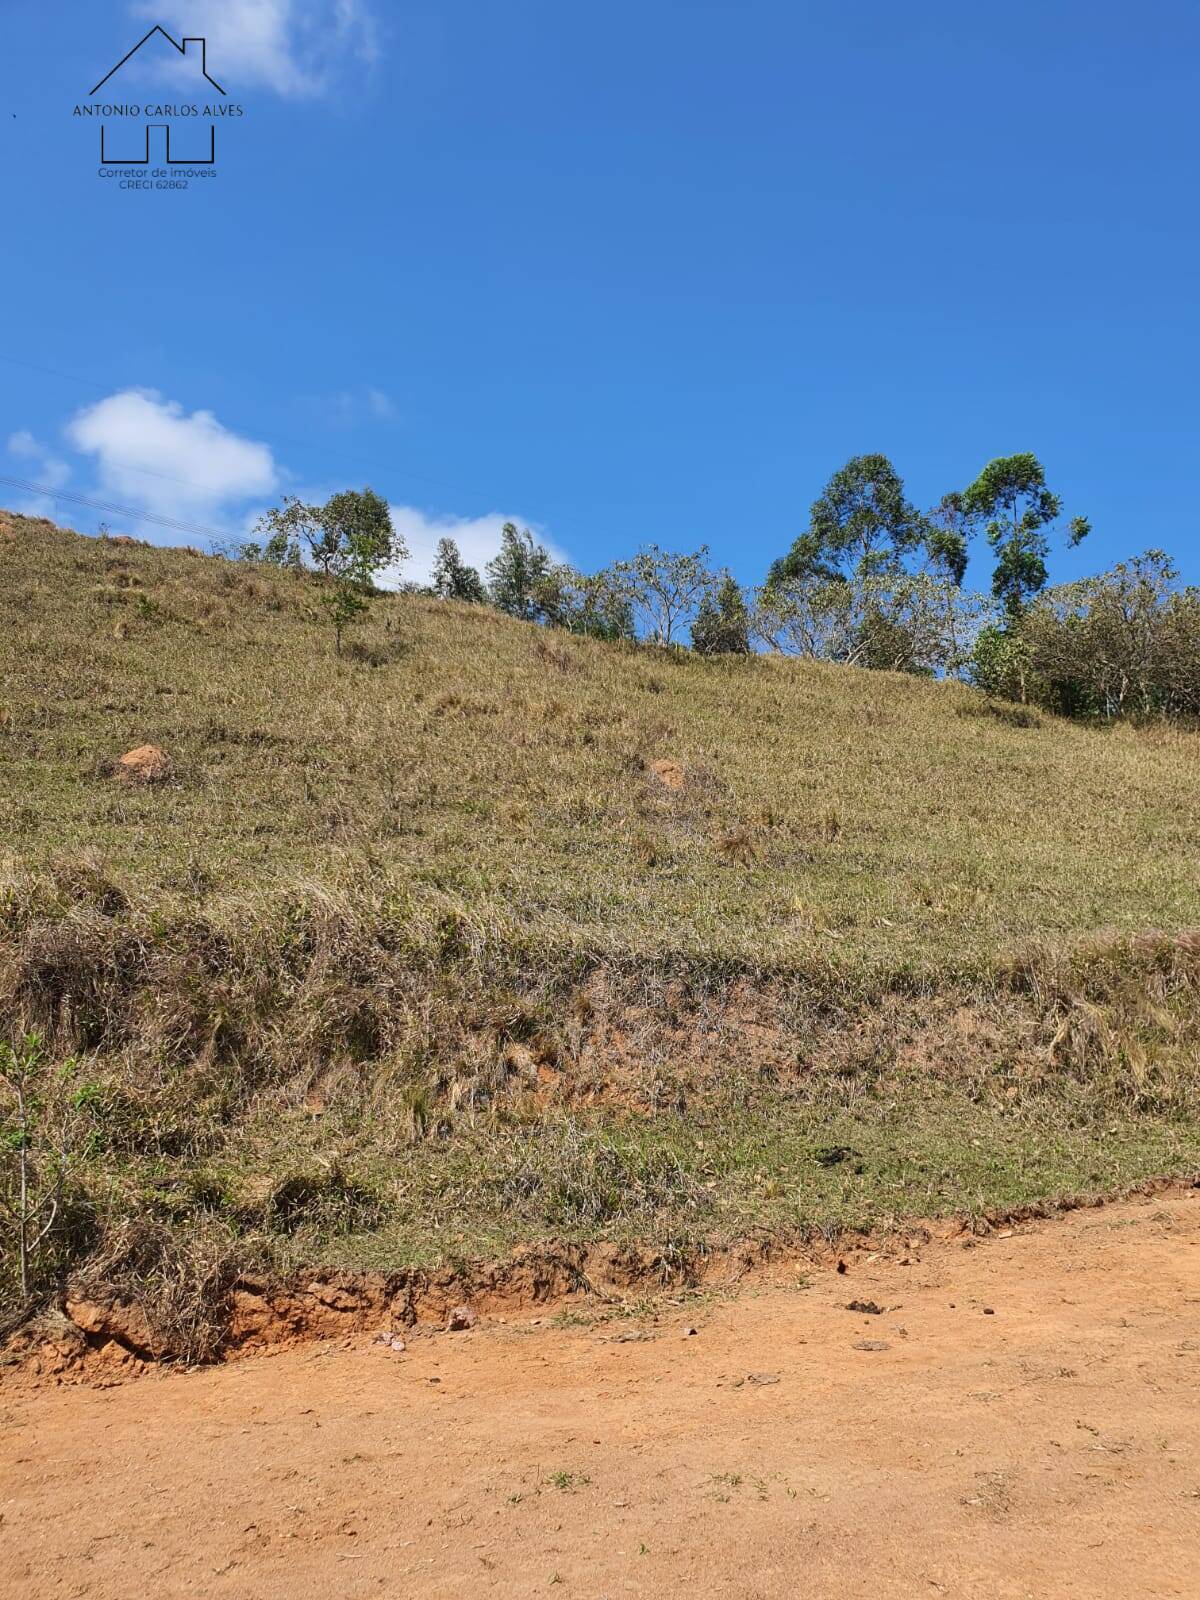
484 933
825 817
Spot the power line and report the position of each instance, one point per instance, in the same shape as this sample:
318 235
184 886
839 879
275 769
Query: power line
52 372
175 524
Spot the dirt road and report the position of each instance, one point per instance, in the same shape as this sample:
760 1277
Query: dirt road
1022 1420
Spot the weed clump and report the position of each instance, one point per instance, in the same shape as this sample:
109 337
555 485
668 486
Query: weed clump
565 1175
324 1200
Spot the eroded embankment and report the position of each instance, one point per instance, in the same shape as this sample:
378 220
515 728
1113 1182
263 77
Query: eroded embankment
112 1339
222 1113
309 997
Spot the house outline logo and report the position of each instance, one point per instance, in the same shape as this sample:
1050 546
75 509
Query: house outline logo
155 117
175 44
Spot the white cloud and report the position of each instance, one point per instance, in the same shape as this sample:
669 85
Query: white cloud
23 444
152 453
49 469
38 462
295 47
478 540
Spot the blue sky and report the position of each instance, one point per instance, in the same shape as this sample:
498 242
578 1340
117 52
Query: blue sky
626 272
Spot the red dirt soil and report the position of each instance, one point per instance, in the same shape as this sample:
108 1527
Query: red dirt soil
1020 1420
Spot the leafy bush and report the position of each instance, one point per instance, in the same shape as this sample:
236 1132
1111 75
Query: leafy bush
1124 643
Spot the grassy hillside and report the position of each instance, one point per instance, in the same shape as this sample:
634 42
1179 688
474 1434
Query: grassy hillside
425 950
827 819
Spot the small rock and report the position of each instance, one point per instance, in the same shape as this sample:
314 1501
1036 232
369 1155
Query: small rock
690 1333
762 1378
988 1311
121 1325
872 1344
461 1318
114 1354
86 1315
868 1307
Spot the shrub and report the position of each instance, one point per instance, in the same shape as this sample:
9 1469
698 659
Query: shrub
722 625
43 1136
349 540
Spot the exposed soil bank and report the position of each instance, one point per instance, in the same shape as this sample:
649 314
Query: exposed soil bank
106 1339
1019 1418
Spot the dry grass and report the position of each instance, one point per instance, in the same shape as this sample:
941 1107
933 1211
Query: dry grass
848 824
420 953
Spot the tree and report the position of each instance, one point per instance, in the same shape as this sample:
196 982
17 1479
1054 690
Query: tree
862 523
349 540
892 621
808 561
804 616
514 573
278 552
999 663
917 622
946 533
1011 493
452 578
594 605
1123 643
722 625
663 589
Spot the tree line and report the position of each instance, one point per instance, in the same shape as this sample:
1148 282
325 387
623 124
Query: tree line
872 581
